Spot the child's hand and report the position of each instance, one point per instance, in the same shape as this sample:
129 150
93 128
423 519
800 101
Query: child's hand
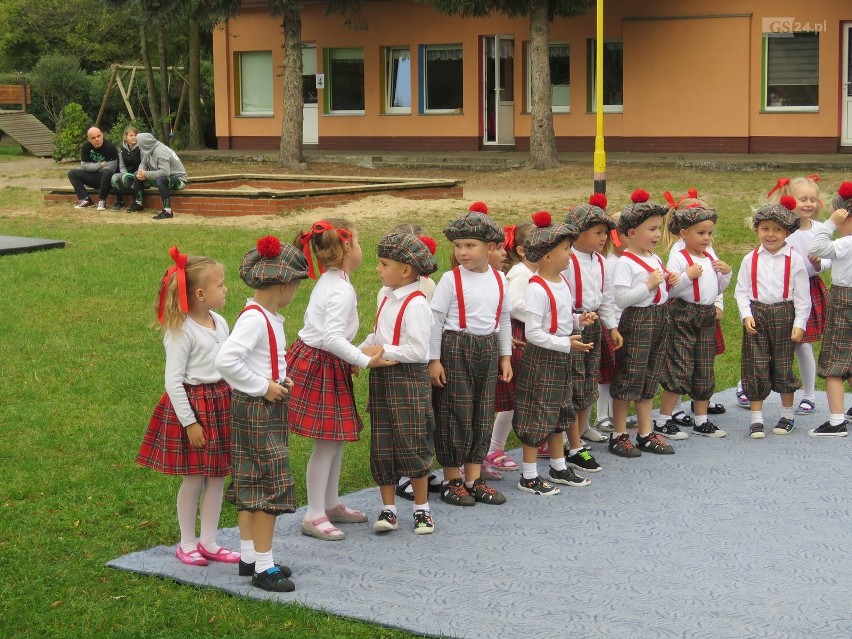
839 216
376 360
516 343
505 366
287 384
797 335
588 318
719 313
654 280
750 328
578 345
815 262
275 392
372 350
721 267
694 271
673 278
617 339
195 433
436 373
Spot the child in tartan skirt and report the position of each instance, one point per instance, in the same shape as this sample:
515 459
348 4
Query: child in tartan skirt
773 297
835 358
470 345
808 206
321 361
641 287
190 431
518 276
253 362
591 288
400 401
543 406
693 320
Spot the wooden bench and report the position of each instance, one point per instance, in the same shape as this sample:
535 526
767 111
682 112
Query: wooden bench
16 94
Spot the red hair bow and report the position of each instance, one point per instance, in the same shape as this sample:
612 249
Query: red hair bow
318 228
509 240
669 198
780 184
179 270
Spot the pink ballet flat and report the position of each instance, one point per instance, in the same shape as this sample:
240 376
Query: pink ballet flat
312 529
342 514
191 558
223 554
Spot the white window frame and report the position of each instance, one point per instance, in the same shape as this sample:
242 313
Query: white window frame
765 88
243 56
608 108
425 80
554 108
389 57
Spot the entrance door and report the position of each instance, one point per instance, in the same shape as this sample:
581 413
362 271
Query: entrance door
310 114
846 86
498 77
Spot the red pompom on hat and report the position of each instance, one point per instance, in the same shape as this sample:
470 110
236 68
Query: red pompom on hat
430 243
269 246
692 193
788 202
479 207
542 219
845 190
599 200
639 195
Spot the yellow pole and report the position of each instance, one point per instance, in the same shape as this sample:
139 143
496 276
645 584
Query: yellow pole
600 154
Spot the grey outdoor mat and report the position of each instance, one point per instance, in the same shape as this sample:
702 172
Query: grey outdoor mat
11 244
728 538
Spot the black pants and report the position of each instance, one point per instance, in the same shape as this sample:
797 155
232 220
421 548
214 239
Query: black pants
100 180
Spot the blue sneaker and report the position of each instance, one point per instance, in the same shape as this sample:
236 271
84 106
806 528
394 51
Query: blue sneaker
784 426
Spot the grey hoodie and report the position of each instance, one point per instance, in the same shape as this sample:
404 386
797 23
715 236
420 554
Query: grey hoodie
158 160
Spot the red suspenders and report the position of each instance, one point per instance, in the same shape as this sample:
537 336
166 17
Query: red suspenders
696 290
578 280
397 329
273 344
460 297
642 263
787 265
554 320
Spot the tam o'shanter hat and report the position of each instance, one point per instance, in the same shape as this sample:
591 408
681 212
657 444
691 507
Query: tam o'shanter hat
476 224
409 249
582 218
680 219
545 236
782 214
271 262
843 199
640 210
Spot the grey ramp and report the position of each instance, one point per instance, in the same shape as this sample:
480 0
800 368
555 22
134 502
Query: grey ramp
728 538
11 244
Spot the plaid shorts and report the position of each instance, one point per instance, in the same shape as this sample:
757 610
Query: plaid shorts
835 358
504 394
543 403
607 365
767 357
819 304
720 338
692 349
585 368
639 362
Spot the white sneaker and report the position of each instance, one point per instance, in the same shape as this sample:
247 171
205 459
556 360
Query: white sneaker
101 205
83 204
604 425
594 435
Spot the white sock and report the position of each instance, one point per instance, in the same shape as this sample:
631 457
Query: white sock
807 367
263 561
604 401
530 470
787 411
211 509
422 507
700 419
665 418
558 464
836 419
757 417
391 507
502 428
318 476
247 553
187 509
574 451
740 386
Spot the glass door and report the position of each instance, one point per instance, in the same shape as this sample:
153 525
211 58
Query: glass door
310 112
498 71
846 87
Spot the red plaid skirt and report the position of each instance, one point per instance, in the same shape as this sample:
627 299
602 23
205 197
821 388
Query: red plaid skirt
322 402
504 395
720 338
607 358
819 304
165 446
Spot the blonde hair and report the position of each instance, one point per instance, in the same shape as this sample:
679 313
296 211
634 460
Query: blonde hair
406 227
792 186
197 271
668 238
521 233
328 246
128 129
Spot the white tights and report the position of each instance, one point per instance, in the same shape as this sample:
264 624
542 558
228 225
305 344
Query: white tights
502 428
323 478
210 490
807 367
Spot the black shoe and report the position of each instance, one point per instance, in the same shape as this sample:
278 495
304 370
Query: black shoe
583 460
423 524
433 488
537 486
567 477
784 426
654 443
272 580
386 521
247 570
135 208
622 446
683 420
755 431
118 206
827 430
708 429
484 494
401 491
164 215
713 408
849 412
670 430
454 492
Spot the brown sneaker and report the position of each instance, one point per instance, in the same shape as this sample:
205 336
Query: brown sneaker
622 446
484 494
654 443
454 492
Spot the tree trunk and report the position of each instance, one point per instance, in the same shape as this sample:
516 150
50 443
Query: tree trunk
542 138
290 154
165 110
196 133
153 105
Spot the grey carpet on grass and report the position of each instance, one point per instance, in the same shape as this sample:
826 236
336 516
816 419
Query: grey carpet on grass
728 538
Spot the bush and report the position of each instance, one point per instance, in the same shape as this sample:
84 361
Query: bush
70 132
58 80
116 133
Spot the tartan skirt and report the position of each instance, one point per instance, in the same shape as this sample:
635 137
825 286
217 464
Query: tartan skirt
464 408
261 479
543 403
639 363
720 338
819 304
165 446
692 349
584 368
835 358
767 357
607 365
401 422
504 393
322 401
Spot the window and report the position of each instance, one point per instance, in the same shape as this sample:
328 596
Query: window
791 71
255 83
345 82
441 68
560 77
613 76
397 80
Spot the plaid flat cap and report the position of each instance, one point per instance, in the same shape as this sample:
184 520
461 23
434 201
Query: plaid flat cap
781 215
408 249
843 198
582 218
475 226
271 262
543 239
638 211
680 219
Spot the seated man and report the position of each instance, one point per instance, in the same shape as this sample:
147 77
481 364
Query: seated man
161 167
98 162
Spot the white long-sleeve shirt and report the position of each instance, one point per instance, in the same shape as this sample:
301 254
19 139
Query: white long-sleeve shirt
191 359
839 251
596 283
518 277
711 284
678 245
609 267
245 359
415 331
481 295
770 283
331 318
801 240
629 282
540 317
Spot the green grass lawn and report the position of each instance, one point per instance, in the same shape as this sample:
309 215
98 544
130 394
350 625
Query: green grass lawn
82 369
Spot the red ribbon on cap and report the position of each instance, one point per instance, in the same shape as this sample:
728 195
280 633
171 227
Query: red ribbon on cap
305 240
179 270
613 234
